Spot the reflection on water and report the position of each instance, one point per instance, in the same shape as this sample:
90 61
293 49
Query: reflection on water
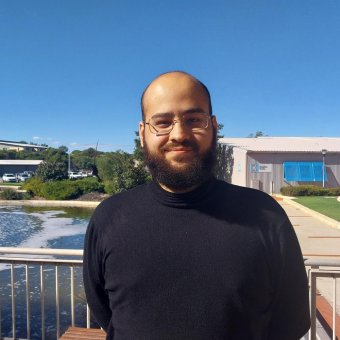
36 227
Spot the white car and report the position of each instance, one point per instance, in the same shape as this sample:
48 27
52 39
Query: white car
23 177
75 175
9 178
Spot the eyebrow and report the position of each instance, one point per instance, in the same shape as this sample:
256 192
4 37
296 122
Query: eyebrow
192 110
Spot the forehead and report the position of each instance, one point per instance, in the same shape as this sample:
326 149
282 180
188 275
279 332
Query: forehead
174 93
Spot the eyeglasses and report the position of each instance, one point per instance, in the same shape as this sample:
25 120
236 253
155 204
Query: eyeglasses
162 124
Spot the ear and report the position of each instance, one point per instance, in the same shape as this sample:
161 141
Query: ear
214 122
141 133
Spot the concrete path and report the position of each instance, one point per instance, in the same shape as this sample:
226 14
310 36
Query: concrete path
319 238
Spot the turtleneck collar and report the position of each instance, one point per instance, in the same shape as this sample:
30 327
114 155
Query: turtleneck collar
183 200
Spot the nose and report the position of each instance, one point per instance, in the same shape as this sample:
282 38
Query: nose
179 131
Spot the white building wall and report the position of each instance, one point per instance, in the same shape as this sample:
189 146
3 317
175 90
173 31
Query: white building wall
239 176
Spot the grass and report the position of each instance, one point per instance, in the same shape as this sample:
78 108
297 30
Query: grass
10 184
328 206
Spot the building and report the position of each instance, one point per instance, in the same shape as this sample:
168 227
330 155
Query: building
9 145
269 163
15 166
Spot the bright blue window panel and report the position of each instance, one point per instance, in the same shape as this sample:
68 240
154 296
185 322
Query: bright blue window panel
303 172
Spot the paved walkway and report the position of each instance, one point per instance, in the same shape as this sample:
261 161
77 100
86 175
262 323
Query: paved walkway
319 238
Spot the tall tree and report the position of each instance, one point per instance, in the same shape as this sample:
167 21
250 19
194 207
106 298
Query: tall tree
119 171
138 151
54 166
225 159
257 134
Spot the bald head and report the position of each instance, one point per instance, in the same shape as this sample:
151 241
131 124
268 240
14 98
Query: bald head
164 84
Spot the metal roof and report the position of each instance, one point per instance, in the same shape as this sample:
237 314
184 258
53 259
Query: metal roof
284 144
24 145
19 162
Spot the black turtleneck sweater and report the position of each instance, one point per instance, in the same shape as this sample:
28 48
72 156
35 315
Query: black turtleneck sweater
220 262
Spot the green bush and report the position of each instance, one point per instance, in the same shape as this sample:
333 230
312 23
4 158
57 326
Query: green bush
334 191
10 194
33 186
111 187
60 190
89 184
309 190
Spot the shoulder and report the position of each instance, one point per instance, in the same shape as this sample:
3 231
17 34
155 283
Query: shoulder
121 202
243 193
254 203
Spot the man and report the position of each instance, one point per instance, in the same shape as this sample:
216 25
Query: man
188 257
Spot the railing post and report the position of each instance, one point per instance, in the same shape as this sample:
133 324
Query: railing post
57 300
42 300
0 310
334 308
88 316
72 297
312 299
28 306
13 301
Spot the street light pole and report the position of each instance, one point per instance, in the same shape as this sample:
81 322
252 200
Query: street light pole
323 151
69 162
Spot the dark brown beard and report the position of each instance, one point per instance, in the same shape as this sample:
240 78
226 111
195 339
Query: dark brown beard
195 173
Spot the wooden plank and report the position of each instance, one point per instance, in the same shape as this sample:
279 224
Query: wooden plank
325 311
73 333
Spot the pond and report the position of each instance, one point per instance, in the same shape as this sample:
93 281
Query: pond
40 227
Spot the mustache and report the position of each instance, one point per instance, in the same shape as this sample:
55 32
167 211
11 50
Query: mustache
185 143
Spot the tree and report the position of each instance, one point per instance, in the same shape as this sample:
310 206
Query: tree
49 171
54 166
138 151
84 159
225 159
120 171
257 134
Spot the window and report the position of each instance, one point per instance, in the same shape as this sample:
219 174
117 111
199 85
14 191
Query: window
304 172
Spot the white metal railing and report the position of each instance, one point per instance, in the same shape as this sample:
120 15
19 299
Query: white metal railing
41 260
322 269
37 262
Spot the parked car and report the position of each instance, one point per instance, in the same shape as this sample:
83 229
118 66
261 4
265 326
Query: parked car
9 178
28 173
23 177
75 175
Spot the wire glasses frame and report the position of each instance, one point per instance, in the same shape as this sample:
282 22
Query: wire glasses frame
163 124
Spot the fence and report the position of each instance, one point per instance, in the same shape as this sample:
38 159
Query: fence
23 271
29 279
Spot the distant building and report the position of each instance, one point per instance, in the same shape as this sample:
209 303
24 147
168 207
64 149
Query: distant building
269 163
15 166
9 145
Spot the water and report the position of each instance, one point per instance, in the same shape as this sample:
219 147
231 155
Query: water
41 227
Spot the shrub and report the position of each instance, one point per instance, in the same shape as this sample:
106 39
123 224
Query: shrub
10 194
60 190
33 186
309 190
89 184
51 170
334 191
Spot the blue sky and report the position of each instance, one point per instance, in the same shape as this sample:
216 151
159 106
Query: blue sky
72 71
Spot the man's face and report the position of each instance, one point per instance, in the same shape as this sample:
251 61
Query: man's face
184 158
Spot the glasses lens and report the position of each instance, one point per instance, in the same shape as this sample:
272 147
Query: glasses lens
161 123
196 120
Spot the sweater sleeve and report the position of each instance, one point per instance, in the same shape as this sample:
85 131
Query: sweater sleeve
96 295
290 317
